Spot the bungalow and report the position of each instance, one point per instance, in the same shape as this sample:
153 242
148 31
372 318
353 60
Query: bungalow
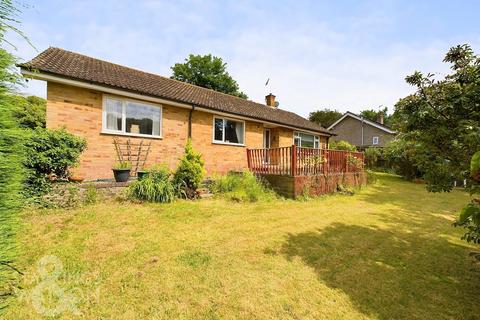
362 132
100 101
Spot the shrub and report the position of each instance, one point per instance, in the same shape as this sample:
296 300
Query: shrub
190 171
400 155
122 165
51 152
242 187
372 156
155 187
342 145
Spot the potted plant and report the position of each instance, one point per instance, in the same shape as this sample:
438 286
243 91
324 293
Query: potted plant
121 171
142 174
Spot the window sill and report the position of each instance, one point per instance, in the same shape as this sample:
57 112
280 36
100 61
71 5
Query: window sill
228 144
135 135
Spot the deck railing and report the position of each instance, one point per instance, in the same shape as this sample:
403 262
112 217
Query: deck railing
297 161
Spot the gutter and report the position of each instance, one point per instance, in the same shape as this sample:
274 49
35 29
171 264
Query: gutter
190 121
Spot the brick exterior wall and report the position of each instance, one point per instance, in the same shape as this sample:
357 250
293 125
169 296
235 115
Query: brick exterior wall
350 129
80 112
293 187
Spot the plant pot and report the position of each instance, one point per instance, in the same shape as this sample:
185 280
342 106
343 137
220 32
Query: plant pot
76 178
121 175
142 174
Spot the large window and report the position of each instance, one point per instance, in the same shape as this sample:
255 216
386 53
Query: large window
306 140
130 117
228 131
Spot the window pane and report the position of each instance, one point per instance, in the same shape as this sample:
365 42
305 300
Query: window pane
296 141
113 111
143 119
218 130
233 131
307 140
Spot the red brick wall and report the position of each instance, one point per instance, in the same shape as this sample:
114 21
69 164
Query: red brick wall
80 112
294 187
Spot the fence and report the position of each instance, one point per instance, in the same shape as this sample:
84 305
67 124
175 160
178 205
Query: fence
297 161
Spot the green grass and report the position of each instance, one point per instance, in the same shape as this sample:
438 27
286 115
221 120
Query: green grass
388 252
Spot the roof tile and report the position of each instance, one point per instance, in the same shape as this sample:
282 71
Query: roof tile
83 68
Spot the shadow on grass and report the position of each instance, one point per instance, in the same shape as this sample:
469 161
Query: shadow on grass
391 274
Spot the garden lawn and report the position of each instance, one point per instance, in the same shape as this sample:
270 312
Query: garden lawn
388 252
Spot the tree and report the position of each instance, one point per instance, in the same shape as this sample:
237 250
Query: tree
11 155
209 72
373 115
324 117
441 121
30 112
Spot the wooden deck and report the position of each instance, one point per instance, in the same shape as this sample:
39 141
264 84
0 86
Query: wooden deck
297 161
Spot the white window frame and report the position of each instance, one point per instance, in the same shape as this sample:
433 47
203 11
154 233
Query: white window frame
316 139
375 141
123 132
223 131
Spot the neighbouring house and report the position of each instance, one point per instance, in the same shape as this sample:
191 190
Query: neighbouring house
362 132
100 101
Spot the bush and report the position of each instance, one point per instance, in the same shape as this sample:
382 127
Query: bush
400 155
341 145
242 187
372 155
190 171
51 152
155 187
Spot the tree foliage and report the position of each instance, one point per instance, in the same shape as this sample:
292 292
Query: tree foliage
442 119
374 115
209 72
441 123
30 111
325 117
11 156
341 145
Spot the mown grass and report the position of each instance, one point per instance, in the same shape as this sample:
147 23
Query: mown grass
388 252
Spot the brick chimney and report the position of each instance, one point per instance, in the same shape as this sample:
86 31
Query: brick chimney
380 118
270 100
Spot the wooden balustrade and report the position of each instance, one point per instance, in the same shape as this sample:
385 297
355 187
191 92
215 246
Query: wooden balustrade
297 161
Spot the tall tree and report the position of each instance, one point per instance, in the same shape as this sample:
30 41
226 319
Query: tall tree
11 154
374 115
442 123
325 117
209 72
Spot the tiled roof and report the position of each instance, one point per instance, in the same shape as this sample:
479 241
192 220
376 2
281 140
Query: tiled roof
79 67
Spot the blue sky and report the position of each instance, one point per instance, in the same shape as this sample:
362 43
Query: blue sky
346 55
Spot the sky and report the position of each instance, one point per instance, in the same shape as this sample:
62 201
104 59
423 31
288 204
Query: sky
344 55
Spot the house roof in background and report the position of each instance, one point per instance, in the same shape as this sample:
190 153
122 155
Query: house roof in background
74 66
365 120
